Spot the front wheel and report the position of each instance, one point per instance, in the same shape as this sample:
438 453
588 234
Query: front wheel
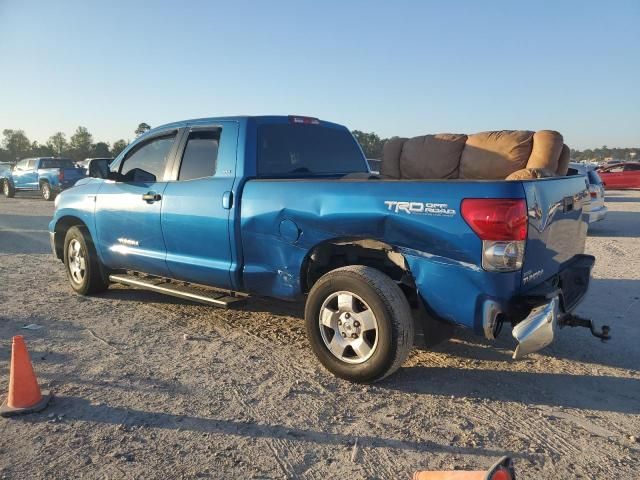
46 192
7 189
359 323
84 271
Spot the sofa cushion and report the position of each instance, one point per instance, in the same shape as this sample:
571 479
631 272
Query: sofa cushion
495 155
432 156
547 145
563 161
390 166
531 174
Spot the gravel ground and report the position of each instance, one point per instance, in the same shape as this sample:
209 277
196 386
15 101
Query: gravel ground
153 387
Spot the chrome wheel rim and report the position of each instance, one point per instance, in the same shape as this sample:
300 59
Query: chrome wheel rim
77 261
46 191
348 327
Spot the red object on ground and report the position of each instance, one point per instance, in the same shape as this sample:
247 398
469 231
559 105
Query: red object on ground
24 392
501 470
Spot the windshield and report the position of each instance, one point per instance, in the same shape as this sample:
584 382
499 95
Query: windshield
286 150
57 163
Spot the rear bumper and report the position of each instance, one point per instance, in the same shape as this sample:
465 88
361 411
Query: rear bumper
598 214
537 312
537 330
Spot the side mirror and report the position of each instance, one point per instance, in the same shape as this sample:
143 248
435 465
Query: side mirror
99 169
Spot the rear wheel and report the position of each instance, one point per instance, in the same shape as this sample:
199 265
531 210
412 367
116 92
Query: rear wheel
84 271
7 189
46 192
359 323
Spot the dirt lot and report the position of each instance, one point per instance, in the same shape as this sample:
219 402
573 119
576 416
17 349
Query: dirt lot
153 387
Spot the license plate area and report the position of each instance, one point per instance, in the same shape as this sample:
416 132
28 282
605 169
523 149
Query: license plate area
574 281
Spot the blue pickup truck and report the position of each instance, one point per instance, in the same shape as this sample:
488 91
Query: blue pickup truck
287 207
47 175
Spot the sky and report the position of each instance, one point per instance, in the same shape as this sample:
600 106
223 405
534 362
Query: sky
392 67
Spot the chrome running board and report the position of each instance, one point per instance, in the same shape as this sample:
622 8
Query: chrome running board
180 289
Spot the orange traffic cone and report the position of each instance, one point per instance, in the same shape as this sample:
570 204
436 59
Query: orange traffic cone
502 470
24 391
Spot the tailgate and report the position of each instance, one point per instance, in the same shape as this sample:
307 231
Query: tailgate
72 175
558 221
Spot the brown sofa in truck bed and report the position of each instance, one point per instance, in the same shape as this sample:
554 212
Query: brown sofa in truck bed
496 155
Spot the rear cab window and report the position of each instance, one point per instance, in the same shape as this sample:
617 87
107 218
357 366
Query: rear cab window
200 154
56 163
290 150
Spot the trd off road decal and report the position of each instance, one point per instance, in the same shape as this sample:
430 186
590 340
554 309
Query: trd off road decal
420 208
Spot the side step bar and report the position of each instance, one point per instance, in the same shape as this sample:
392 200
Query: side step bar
181 290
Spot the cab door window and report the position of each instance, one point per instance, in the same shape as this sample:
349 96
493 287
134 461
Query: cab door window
200 155
147 161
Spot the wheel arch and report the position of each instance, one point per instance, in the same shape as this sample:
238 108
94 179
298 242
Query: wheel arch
334 253
61 228
342 251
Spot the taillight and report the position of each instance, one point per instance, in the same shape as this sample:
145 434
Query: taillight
61 175
496 218
593 194
501 224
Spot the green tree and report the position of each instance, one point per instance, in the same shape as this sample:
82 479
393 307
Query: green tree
80 144
58 143
38 150
370 142
118 146
100 149
16 143
143 127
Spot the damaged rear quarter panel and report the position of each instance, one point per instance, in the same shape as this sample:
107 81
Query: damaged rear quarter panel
441 250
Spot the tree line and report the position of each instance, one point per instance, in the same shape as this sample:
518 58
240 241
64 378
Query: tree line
15 145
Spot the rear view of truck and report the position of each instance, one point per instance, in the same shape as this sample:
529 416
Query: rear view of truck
541 236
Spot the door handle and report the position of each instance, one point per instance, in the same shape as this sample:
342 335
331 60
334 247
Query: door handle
151 197
227 200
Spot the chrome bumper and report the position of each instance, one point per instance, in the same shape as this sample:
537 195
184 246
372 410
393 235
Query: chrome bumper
537 330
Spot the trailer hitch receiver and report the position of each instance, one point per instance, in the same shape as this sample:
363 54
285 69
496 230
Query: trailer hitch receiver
571 320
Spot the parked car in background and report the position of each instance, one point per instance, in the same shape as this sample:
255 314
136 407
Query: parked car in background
621 175
48 175
4 166
597 208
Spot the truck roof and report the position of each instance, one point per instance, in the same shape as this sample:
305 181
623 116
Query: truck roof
238 118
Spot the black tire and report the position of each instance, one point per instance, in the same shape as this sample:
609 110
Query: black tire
94 277
375 291
46 191
7 189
